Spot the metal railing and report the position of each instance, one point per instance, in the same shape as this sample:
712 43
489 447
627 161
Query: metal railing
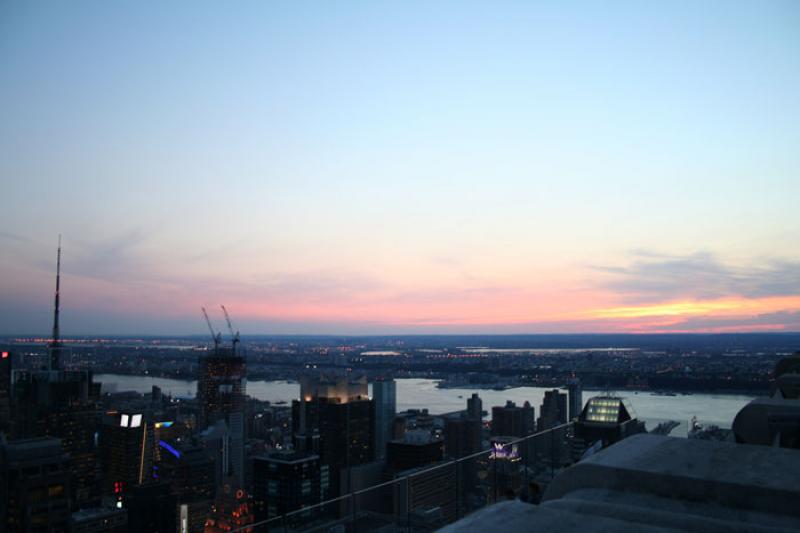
427 498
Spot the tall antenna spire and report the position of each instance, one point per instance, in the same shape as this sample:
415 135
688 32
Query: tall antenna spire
55 343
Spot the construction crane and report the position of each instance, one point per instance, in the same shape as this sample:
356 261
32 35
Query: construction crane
234 336
217 337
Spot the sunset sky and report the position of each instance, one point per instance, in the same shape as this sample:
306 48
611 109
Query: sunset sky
401 167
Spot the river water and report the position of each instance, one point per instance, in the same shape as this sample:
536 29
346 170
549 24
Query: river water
718 409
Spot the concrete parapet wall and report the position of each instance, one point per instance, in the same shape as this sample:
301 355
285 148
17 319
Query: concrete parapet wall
758 478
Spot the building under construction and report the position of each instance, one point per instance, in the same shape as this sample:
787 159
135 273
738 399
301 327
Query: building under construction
221 394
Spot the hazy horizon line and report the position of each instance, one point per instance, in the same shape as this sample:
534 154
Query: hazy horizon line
368 335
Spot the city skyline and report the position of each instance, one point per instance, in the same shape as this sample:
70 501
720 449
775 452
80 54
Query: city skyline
433 169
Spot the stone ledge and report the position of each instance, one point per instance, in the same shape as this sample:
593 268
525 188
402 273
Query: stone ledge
732 475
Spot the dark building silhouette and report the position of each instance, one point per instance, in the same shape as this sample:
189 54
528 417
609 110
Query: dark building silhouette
156 396
575 398
462 436
398 427
418 448
553 411
152 508
34 486
285 481
513 421
426 496
475 406
61 404
190 472
99 520
6 364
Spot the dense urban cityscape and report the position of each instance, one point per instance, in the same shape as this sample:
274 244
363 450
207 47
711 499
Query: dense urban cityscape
76 457
399 267
729 363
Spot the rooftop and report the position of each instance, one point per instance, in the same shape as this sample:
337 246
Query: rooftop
288 456
654 483
607 410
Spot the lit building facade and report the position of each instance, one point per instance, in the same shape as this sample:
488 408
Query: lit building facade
126 444
605 419
232 511
336 421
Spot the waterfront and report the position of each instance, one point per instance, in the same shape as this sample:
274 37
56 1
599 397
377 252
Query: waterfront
718 409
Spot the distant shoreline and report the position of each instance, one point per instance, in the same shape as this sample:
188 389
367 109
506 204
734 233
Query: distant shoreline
478 387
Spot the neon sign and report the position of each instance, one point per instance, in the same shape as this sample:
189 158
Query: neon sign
504 451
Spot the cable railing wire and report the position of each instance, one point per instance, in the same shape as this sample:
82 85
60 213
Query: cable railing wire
307 510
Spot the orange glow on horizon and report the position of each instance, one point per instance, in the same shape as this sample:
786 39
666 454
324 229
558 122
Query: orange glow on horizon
508 306
721 307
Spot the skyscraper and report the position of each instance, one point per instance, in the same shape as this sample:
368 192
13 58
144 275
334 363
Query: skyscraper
335 418
285 481
190 472
553 411
221 389
6 364
462 436
384 396
575 398
152 508
418 448
34 486
126 445
475 406
512 421
426 495
61 403
221 386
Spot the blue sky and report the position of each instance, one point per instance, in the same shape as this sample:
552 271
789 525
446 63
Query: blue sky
400 166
